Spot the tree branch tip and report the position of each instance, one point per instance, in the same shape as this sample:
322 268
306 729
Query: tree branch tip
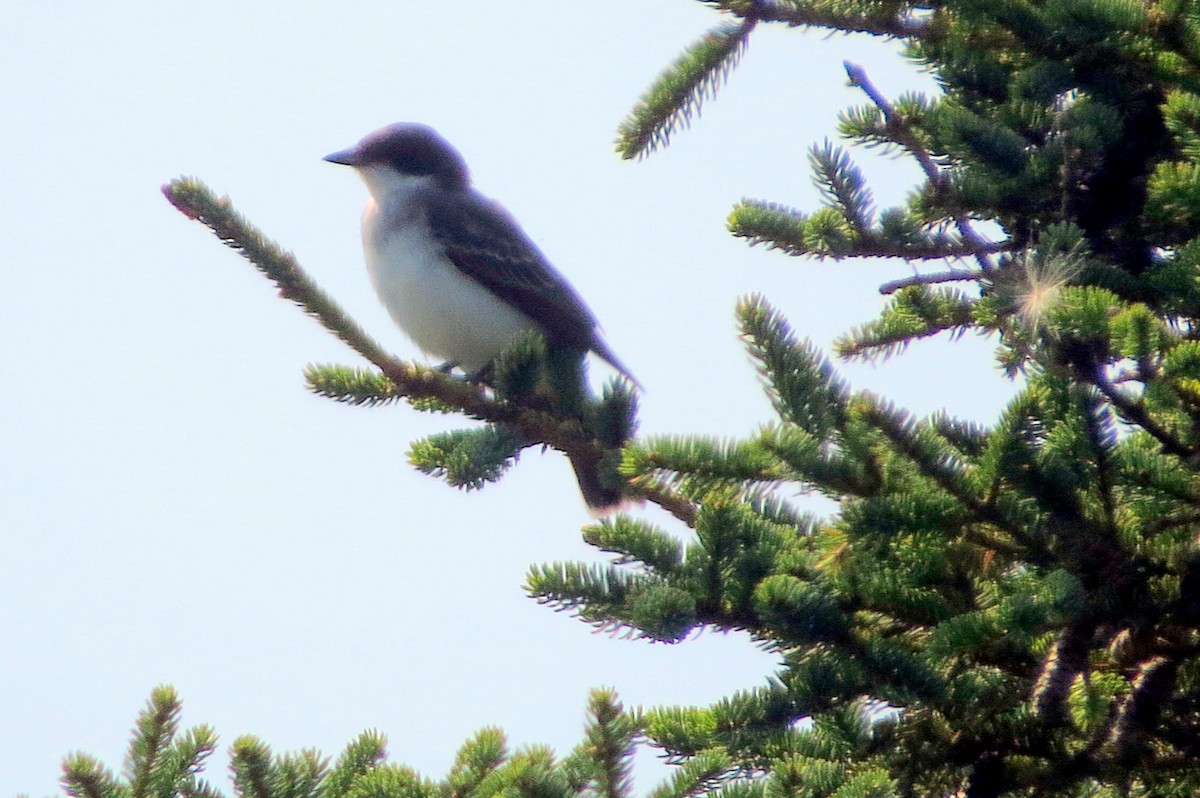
171 191
190 194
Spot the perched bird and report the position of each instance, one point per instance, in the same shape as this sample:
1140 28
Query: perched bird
454 270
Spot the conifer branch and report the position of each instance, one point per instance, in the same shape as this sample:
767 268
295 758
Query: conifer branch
250 764
84 777
877 18
597 593
468 458
636 541
701 773
697 464
842 185
611 734
1066 659
1156 525
670 500
352 386
196 201
476 761
1140 712
153 733
804 387
904 136
806 459
678 93
912 314
1136 413
664 488
952 276
359 757
946 475
1102 437
158 763
798 234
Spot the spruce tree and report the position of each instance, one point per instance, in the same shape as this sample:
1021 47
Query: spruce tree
1003 609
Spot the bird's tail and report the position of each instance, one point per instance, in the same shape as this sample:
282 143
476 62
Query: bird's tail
599 497
601 349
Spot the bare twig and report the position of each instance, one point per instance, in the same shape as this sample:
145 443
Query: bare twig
869 246
906 138
953 276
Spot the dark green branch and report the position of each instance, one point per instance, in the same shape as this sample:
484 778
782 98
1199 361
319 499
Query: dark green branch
676 96
886 19
196 201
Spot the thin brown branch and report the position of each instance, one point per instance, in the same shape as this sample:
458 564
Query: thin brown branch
1162 524
952 276
904 136
1136 413
870 247
669 500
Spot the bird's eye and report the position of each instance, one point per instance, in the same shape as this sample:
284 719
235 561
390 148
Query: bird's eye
415 163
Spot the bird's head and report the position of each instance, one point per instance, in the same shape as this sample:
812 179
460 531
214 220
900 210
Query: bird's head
405 151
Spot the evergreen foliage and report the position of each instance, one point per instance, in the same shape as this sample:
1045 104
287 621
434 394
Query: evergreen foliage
1020 596
165 763
1000 609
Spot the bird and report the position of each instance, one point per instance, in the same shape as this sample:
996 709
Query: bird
456 272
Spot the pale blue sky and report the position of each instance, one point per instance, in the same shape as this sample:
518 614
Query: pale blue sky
174 507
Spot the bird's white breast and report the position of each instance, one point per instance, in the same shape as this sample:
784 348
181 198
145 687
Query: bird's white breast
445 313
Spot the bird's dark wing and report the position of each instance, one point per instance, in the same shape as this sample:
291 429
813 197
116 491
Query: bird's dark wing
488 245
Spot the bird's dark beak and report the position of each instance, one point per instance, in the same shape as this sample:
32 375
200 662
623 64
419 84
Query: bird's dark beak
345 157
